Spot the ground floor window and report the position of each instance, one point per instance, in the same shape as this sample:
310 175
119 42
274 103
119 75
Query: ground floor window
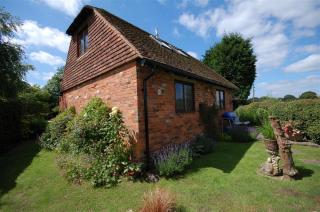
220 100
184 93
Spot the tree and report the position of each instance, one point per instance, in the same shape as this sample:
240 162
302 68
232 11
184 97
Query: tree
12 68
235 60
289 97
34 103
308 95
53 88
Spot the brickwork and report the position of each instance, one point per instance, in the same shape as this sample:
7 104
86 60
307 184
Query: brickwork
109 70
165 125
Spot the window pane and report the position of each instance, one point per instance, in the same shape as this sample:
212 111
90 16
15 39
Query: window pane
81 45
85 40
179 97
222 99
188 95
218 99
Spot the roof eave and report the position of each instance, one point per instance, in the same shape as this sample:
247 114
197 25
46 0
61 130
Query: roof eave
83 14
189 74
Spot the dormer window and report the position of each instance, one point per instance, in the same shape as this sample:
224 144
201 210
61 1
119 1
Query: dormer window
83 41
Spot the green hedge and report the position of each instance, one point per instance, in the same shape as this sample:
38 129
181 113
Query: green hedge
304 113
10 125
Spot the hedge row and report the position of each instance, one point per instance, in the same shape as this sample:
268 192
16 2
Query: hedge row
304 113
10 126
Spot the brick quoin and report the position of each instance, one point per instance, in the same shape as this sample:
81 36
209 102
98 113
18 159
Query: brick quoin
110 69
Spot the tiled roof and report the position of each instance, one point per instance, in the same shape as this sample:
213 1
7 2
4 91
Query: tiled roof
150 48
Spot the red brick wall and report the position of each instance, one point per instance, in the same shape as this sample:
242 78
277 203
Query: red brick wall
118 88
165 125
121 85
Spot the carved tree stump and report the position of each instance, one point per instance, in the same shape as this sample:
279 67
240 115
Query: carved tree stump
289 169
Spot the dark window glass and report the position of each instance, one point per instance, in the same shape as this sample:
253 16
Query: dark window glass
179 97
220 100
184 97
83 41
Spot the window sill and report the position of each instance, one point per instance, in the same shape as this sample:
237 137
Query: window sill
83 55
180 112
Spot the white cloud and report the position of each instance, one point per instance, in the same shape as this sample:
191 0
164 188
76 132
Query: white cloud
37 75
30 33
303 33
46 58
295 87
310 63
265 21
193 54
198 3
312 48
202 3
70 7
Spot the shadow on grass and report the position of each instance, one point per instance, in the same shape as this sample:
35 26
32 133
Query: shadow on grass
225 157
13 163
303 173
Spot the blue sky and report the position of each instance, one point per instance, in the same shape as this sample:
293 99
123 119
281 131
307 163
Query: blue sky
285 34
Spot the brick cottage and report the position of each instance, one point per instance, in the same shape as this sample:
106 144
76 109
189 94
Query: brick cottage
157 86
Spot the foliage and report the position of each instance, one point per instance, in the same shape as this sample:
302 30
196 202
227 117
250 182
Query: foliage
73 166
208 116
56 129
225 138
267 131
304 113
99 133
235 60
308 95
240 134
159 200
22 107
10 116
53 88
12 68
172 159
35 108
289 97
220 181
202 145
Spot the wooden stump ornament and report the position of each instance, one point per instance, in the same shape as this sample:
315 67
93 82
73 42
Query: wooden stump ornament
271 166
284 146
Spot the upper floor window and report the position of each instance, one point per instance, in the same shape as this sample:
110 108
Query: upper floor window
220 100
184 97
83 41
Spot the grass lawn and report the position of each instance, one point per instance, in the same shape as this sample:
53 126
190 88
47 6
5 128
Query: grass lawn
224 180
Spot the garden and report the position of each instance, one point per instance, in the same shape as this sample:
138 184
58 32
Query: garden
302 114
224 180
83 162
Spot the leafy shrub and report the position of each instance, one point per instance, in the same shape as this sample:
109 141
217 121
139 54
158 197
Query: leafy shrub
56 129
73 166
99 133
208 116
304 113
202 145
289 97
225 138
240 134
308 95
158 200
267 131
172 159
314 131
10 124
